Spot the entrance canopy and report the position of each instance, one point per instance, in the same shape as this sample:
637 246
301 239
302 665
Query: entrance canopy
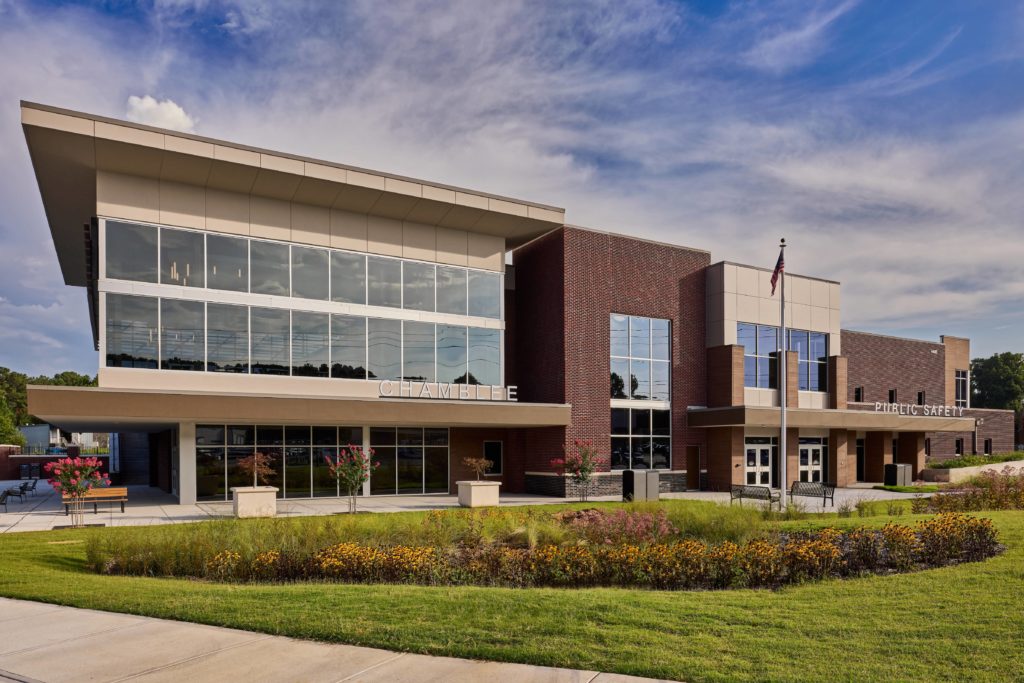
98 409
851 420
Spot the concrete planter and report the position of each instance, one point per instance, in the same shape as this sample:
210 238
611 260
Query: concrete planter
254 501
955 475
478 494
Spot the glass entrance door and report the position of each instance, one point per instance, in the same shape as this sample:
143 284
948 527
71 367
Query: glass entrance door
759 461
811 456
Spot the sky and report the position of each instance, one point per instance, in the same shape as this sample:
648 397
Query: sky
884 140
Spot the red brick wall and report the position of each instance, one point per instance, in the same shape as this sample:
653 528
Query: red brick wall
879 363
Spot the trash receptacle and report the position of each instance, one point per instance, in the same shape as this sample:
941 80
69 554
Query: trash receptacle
634 485
898 475
653 485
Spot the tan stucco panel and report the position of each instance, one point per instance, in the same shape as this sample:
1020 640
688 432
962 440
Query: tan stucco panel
127 197
384 235
311 224
183 205
348 230
270 218
452 246
486 251
419 241
227 212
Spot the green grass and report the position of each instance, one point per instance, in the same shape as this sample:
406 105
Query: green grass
924 488
957 623
975 460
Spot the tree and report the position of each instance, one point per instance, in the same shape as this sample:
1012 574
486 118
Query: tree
9 433
998 381
12 387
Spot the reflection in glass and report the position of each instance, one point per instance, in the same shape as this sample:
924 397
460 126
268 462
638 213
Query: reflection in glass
437 436
660 380
323 483
209 435
484 294
661 453
451 290
620 453
181 258
348 278
640 379
410 469
435 469
641 453
660 339
384 478
227 263
297 436
383 282
131 252
269 341
310 344
620 370
661 422
384 348
451 354
131 331
309 273
484 356
620 421
236 477
620 335
418 351
297 473
417 286
182 346
767 340
746 336
269 265
348 346
227 329
210 473
639 337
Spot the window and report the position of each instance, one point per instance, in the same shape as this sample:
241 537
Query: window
920 398
959 447
961 389
484 294
451 290
310 344
227 331
988 446
348 278
451 354
383 282
182 259
411 460
348 347
760 355
268 263
492 452
383 348
417 286
892 396
131 331
858 394
640 439
484 356
182 331
227 263
418 351
309 273
640 358
131 252
812 354
270 341
927 447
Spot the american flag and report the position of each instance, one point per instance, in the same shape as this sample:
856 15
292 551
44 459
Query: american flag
779 267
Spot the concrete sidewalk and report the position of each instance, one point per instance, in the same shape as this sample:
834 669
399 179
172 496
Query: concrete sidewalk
41 642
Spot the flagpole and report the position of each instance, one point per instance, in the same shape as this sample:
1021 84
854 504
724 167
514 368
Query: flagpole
782 381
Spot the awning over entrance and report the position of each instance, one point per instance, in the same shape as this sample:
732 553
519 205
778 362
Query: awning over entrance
851 420
99 409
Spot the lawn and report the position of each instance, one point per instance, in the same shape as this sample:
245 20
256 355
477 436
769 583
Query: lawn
957 623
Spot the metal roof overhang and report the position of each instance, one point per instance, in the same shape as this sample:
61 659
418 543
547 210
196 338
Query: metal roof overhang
97 409
69 147
851 420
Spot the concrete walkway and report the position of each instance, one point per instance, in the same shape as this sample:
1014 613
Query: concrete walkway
40 642
147 506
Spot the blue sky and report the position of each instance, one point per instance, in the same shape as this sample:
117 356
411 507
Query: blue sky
885 140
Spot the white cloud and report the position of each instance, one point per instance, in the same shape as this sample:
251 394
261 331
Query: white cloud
781 49
160 113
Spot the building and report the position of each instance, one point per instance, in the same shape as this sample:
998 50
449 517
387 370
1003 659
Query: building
39 438
243 300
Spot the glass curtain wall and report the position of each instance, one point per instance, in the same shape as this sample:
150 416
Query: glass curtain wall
760 356
411 460
641 352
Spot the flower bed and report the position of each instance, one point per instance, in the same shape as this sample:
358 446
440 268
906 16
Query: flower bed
681 564
988 491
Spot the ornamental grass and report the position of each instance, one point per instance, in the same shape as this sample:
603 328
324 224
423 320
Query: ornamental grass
988 491
679 564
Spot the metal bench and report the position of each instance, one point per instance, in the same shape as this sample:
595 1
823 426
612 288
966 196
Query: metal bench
3 499
16 492
814 489
739 492
113 494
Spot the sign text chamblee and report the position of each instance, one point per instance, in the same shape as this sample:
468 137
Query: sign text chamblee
458 392
914 409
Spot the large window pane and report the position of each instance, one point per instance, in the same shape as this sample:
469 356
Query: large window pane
750 371
767 340
661 453
410 469
210 475
269 341
640 337
640 379
236 477
661 342
484 356
451 354
323 483
418 348
182 344
228 338
620 421
310 344
661 422
818 346
131 252
209 435
418 286
227 263
484 294
435 468
348 347
309 273
660 382
619 335
746 336
269 265
383 282
348 277
798 343
641 453
383 479
620 371
451 290
297 473
131 331
620 453
181 258
384 348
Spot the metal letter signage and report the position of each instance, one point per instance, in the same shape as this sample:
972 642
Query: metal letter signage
389 388
915 410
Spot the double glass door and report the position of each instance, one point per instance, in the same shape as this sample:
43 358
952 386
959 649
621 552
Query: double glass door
812 457
761 461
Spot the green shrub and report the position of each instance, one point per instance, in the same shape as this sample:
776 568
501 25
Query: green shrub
975 460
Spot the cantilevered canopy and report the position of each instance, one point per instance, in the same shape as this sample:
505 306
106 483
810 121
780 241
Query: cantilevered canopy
852 420
69 147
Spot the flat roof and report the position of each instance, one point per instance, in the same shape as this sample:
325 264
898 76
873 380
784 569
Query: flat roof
68 147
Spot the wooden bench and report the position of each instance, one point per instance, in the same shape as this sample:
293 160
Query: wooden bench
111 494
814 489
741 491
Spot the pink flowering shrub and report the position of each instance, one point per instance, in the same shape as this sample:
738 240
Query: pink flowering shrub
610 527
73 477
